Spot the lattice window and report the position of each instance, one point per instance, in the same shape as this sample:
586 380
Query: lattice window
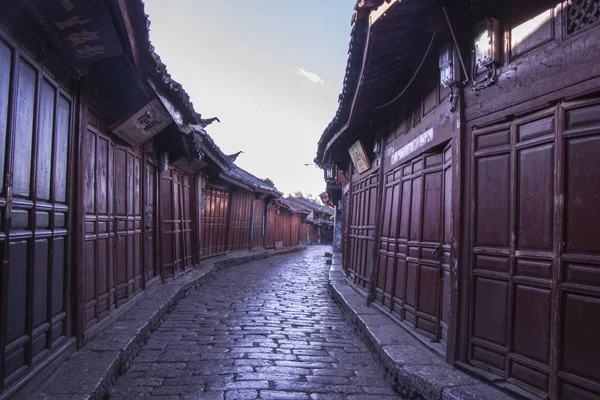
413 117
581 14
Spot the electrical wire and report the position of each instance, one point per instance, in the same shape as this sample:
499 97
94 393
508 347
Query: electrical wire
490 78
413 77
462 63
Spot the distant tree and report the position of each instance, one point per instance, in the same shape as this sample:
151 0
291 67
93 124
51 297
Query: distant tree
308 196
268 182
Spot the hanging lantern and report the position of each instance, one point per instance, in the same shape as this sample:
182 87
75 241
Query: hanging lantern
330 172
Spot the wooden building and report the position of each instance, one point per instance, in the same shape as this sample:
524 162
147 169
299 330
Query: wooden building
109 183
317 224
468 133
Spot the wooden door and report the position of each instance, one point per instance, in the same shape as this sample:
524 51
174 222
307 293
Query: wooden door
113 238
286 228
240 220
258 215
295 229
270 228
176 203
150 253
215 221
127 223
362 229
303 233
535 254
346 218
279 226
414 255
36 115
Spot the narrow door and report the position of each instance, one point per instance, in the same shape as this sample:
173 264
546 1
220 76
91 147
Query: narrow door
414 255
215 217
150 259
362 229
176 203
128 232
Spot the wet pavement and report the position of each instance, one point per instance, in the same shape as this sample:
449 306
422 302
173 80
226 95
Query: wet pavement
267 330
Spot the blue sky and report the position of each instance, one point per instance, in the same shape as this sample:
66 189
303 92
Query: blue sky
271 70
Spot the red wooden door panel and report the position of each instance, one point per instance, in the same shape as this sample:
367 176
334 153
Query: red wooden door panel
270 229
303 233
241 216
113 238
362 229
128 230
176 204
295 227
414 254
215 218
535 297
286 226
258 209
99 220
35 135
280 216
346 218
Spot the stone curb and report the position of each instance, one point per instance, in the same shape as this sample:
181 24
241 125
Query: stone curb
90 372
415 371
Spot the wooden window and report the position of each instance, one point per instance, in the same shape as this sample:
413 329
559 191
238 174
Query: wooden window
581 14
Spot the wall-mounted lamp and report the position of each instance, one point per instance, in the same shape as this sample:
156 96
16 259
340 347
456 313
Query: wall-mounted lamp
377 146
163 159
330 172
487 43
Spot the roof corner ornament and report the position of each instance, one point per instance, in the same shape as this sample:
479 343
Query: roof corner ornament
234 156
206 122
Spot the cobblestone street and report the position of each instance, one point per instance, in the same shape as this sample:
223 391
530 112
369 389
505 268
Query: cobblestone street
268 330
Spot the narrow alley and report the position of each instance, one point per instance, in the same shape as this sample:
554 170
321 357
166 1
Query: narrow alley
268 330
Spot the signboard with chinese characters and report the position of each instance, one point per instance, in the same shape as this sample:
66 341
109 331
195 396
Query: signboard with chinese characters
143 124
359 157
412 146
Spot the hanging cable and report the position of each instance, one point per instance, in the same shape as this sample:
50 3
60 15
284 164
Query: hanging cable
462 63
413 77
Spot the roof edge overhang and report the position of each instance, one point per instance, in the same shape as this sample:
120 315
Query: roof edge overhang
352 122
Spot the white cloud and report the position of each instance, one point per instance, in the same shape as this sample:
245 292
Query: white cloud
311 76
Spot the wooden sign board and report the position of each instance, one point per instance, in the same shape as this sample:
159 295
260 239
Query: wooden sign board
359 157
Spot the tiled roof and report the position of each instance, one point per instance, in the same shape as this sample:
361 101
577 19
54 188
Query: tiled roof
158 69
358 38
311 206
292 206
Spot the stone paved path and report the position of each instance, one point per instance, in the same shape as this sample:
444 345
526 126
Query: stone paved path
267 330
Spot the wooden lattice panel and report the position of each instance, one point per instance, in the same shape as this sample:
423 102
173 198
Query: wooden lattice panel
581 14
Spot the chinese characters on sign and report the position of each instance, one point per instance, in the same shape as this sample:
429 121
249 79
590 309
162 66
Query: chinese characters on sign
359 157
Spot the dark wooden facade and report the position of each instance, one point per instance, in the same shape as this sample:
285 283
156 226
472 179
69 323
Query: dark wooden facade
485 241
89 221
37 109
